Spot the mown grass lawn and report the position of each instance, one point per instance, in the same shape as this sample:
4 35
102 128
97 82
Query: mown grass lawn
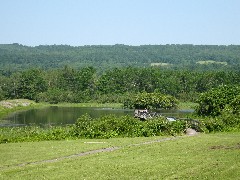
206 156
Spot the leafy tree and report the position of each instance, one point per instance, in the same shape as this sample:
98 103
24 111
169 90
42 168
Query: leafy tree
215 100
10 85
53 96
85 79
31 82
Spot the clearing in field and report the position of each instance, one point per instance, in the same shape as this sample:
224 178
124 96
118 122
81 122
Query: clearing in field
212 62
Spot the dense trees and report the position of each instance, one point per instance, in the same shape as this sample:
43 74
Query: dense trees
30 84
69 85
101 72
116 85
110 73
205 57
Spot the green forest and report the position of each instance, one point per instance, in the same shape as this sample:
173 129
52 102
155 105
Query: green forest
116 85
61 73
16 57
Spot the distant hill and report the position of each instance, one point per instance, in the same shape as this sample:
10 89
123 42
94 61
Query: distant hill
14 57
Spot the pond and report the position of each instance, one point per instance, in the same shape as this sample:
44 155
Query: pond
55 115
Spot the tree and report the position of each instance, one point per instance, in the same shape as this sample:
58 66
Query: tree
31 83
215 100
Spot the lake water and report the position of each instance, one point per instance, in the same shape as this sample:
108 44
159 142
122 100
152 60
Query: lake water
55 115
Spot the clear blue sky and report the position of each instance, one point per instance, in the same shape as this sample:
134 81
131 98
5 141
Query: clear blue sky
131 22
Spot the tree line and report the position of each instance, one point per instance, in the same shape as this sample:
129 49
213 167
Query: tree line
16 57
115 85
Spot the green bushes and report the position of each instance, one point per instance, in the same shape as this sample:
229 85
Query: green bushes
151 101
111 126
234 106
125 126
213 102
105 127
221 108
34 133
223 123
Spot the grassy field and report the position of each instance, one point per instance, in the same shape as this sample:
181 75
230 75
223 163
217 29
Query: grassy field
205 156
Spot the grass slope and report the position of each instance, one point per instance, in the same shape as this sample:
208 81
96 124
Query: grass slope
206 156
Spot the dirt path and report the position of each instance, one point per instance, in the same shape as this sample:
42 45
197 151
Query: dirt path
102 150
71 156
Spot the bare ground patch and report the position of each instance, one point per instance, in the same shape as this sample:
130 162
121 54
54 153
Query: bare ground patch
237 146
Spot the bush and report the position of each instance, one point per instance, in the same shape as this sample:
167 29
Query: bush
234 106
151 101
213 125
224 123
35 133
213 102
125 126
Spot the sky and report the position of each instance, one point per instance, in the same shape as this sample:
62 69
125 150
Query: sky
129 22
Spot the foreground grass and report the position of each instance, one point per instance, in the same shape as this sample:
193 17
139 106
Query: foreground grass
206 156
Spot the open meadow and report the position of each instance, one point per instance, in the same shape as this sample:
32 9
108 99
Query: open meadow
204 156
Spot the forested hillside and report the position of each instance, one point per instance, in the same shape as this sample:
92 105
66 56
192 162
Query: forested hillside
61 73
15 57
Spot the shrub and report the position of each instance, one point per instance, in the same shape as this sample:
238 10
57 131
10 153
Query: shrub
35 133
151 101
234 106
224 123
213 125
125 126
213 102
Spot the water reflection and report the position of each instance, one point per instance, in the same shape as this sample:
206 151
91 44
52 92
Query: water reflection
55 115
